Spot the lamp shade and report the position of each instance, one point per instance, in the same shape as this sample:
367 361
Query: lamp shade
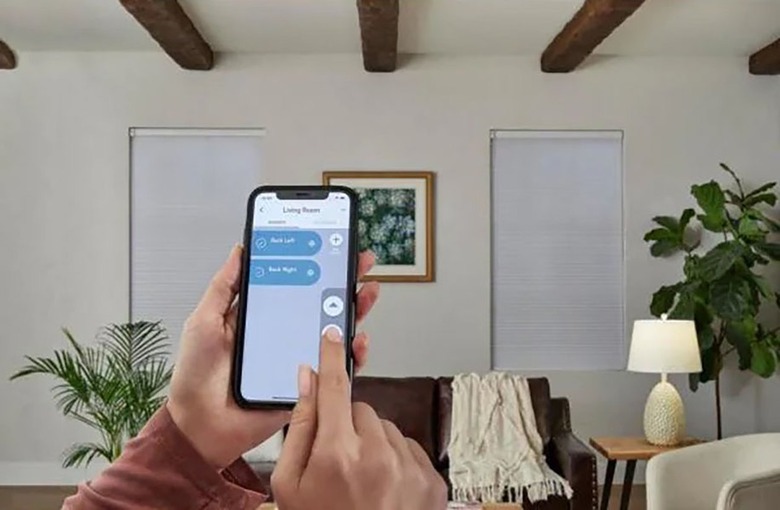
664 346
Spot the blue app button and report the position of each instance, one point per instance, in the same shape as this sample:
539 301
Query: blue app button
285 243
283 272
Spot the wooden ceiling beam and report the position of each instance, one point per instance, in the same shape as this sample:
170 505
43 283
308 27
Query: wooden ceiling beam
766 60
592 23
379 34
169 25
7 57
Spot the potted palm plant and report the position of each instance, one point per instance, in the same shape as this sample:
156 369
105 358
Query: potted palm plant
113 386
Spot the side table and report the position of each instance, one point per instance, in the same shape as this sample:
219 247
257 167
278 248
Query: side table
629 449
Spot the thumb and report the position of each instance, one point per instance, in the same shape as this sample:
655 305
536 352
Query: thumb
302 430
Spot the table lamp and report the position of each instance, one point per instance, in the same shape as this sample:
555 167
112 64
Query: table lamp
664 347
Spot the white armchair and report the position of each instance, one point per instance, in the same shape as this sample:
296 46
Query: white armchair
739 473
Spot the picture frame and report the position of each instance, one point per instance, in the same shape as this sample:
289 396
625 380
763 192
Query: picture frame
395 221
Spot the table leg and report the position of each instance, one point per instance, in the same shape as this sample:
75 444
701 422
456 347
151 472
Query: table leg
628 481
608 484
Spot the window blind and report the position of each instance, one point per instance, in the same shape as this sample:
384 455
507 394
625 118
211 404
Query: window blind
557 269
187 208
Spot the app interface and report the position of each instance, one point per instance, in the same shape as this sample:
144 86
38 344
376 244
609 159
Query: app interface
299 256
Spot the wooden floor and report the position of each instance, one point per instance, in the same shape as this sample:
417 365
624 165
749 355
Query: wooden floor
50 498
33 498
637 498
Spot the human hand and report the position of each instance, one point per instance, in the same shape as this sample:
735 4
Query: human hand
341 456
200 400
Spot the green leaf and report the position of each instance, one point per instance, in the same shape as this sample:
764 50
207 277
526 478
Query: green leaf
136 343
84 453
685 308
731 172
762 361
766 198
669 222
693 381
710 365
660 234
663 299
719 260
690 267
730 298
703 318
750 228
686 217
664 248
742 332
777 299
744 357
666 242
761 285
761 189
713 224
733 198
710 198
706 337
771 250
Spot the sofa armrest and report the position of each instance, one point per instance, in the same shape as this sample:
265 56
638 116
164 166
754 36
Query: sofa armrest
560 416
759 491
577 463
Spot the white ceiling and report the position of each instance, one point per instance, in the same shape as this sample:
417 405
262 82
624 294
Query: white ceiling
506 27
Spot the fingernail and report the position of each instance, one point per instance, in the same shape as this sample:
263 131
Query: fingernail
333 335
304 381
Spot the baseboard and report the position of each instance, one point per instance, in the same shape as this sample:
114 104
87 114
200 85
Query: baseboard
46 473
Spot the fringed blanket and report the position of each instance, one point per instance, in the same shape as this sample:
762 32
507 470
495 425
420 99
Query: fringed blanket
495 449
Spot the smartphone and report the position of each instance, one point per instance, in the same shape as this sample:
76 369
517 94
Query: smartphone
298 279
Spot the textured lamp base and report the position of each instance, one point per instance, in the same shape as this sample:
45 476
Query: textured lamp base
664 416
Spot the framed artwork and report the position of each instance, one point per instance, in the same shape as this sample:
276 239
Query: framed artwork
395 221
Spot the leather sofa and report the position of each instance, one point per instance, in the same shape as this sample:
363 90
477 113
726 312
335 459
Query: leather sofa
421 407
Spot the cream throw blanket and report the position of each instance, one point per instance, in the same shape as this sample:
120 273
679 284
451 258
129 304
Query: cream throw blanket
495 447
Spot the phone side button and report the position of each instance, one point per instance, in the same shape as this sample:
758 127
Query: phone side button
353 325
353 319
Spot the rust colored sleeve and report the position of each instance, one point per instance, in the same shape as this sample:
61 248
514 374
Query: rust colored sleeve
161 469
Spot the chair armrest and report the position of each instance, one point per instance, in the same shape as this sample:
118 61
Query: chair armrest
760 491
708 466
578 465
671 477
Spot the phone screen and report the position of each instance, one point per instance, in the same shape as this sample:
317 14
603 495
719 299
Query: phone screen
298 276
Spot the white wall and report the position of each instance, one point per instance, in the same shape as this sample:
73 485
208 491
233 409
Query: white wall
64 197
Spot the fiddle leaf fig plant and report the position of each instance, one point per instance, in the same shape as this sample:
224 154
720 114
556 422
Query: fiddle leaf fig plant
114 386
722 289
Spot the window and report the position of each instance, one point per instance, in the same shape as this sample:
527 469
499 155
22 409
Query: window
187 209
558 287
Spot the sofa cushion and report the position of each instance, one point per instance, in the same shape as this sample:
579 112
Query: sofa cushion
540 397
409 403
